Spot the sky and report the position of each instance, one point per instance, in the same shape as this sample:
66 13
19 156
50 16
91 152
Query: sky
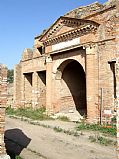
22 20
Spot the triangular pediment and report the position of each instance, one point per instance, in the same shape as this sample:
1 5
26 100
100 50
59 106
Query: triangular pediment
62 29
66 25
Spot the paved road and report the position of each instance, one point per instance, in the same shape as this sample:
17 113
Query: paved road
37 142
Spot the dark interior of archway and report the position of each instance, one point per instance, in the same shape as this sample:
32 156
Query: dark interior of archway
74 77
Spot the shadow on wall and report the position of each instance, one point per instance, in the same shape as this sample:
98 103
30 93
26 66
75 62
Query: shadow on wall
74 77
15 142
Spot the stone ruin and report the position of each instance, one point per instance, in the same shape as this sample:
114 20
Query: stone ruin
70 70
3 100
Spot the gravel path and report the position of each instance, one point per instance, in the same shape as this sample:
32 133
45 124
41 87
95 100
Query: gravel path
37 142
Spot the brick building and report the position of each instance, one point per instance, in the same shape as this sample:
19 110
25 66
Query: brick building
3 100
71 68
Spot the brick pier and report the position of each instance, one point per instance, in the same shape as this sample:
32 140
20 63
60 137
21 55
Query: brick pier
3 100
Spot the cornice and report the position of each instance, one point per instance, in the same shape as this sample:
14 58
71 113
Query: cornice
74 33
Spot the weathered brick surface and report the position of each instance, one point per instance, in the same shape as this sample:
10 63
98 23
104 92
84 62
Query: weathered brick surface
117 74
3 100
87 35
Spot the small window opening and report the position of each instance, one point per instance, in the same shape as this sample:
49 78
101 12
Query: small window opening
28 76
42 75
41 50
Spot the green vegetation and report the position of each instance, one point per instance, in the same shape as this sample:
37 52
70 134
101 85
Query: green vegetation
63 118
100 132
68 132
96 127
102 140
10 75
58 129
113 120
35 114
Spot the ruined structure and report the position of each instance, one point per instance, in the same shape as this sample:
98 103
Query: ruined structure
3 100
71 67
117 102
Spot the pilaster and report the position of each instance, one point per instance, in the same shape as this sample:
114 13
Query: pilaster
90 84
22 90
17 85
35 90
49 107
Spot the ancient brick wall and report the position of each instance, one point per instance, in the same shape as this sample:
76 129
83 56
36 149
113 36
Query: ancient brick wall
89 40
61 95
106 50
41 87
3 100
29 87
10 91
117 75
17 94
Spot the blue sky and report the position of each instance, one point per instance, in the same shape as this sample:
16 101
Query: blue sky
22 20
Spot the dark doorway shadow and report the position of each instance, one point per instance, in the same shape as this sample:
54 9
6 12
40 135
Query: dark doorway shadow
75 79
15 141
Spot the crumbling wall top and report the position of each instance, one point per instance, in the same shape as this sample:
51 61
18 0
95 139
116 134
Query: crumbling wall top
3 71
27 54
84 11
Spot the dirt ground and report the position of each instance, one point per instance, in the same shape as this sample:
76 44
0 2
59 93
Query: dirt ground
38 142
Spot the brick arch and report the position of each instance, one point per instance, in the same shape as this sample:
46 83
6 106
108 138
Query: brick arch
62 62
70 82
61 68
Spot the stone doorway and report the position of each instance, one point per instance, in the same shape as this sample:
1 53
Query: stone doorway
72 87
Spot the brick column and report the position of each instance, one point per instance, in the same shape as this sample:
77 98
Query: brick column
49 85
35 90
3 100
22 90
90 84
17 85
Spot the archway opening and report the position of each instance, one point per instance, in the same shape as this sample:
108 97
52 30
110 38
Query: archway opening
73 83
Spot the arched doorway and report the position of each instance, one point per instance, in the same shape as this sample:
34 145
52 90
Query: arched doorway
72 87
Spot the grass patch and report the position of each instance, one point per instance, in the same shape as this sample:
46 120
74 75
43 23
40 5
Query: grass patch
101 140
63 118
58 129
35 114
96 127
68 132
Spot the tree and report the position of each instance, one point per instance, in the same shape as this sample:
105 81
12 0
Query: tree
10 75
